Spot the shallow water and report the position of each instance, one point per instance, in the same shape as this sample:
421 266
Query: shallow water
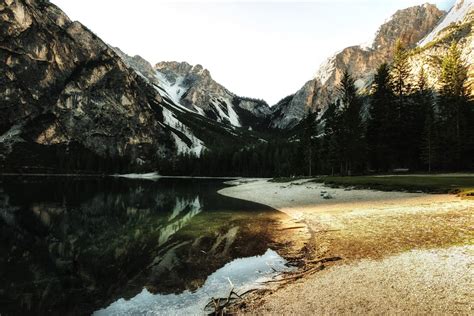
240 274
73 246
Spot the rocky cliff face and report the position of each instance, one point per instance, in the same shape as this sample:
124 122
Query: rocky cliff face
456 26
63 85
194 88
410 25
65 95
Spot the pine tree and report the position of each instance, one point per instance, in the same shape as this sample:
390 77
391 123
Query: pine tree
399 74
332 149
381 129
309 125
455 110
424 98
352 127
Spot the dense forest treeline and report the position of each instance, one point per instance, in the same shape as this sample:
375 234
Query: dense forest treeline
402 124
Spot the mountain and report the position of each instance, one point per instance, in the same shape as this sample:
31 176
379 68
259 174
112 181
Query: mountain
456 26
194 88
70 102
410 25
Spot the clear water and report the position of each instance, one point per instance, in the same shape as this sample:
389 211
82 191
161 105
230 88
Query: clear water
240 274
75 246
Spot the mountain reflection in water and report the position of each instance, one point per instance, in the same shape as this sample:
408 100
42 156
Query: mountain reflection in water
76 245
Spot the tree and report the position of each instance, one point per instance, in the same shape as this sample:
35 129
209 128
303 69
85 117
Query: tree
381 130
424 98
399 75
352 127
331 147
455 111
309 125
400 72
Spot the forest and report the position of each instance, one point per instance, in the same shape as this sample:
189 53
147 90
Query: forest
403 124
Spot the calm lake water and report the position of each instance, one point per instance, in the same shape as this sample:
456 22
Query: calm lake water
106 246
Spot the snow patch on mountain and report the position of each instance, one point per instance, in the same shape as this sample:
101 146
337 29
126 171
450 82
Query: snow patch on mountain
229 114
173 90
326 69
455 15
196 145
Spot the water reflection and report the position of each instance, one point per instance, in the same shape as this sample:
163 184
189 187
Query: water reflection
238 274
72 246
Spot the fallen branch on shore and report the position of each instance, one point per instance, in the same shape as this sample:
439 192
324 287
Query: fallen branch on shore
219 306
324 260
293 227
320 266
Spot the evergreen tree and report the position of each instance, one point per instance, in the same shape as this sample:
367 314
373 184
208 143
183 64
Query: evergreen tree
455 111
426 119
331 149
309 125
352 127
381 130
399 74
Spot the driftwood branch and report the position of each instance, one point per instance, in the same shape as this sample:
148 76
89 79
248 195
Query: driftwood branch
219 305
319 266
324 260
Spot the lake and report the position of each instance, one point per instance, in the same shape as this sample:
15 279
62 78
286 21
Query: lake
109 246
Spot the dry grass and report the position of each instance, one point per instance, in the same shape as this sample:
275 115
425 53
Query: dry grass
374 232
376 236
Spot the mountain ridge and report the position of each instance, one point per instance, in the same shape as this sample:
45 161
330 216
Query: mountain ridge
67 95
361 61
70 102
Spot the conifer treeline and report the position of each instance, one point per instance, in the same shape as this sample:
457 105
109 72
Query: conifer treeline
402 124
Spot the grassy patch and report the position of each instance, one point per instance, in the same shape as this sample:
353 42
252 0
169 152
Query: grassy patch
464 186
287 179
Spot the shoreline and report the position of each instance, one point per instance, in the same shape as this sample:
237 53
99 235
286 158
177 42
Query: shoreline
381 237
131 176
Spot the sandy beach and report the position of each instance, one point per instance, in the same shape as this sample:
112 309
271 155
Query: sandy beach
401 252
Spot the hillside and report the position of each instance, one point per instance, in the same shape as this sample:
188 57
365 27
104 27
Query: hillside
69 101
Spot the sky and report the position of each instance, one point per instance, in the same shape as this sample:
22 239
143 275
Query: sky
262 49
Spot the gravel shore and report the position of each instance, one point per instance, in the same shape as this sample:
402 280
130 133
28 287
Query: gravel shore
402 252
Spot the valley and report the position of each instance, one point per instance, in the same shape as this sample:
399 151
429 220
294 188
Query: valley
130 186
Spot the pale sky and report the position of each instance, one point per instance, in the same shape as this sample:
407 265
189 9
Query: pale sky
261 49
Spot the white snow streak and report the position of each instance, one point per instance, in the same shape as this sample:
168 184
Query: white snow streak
455 15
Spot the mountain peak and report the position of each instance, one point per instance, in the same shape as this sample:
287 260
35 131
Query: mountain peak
410 25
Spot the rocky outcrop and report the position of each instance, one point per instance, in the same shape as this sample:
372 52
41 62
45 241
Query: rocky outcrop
410 25
63 85
456 26
139 64
194 88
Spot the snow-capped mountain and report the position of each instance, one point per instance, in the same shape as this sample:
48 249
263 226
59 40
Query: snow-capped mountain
411 25
193 87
